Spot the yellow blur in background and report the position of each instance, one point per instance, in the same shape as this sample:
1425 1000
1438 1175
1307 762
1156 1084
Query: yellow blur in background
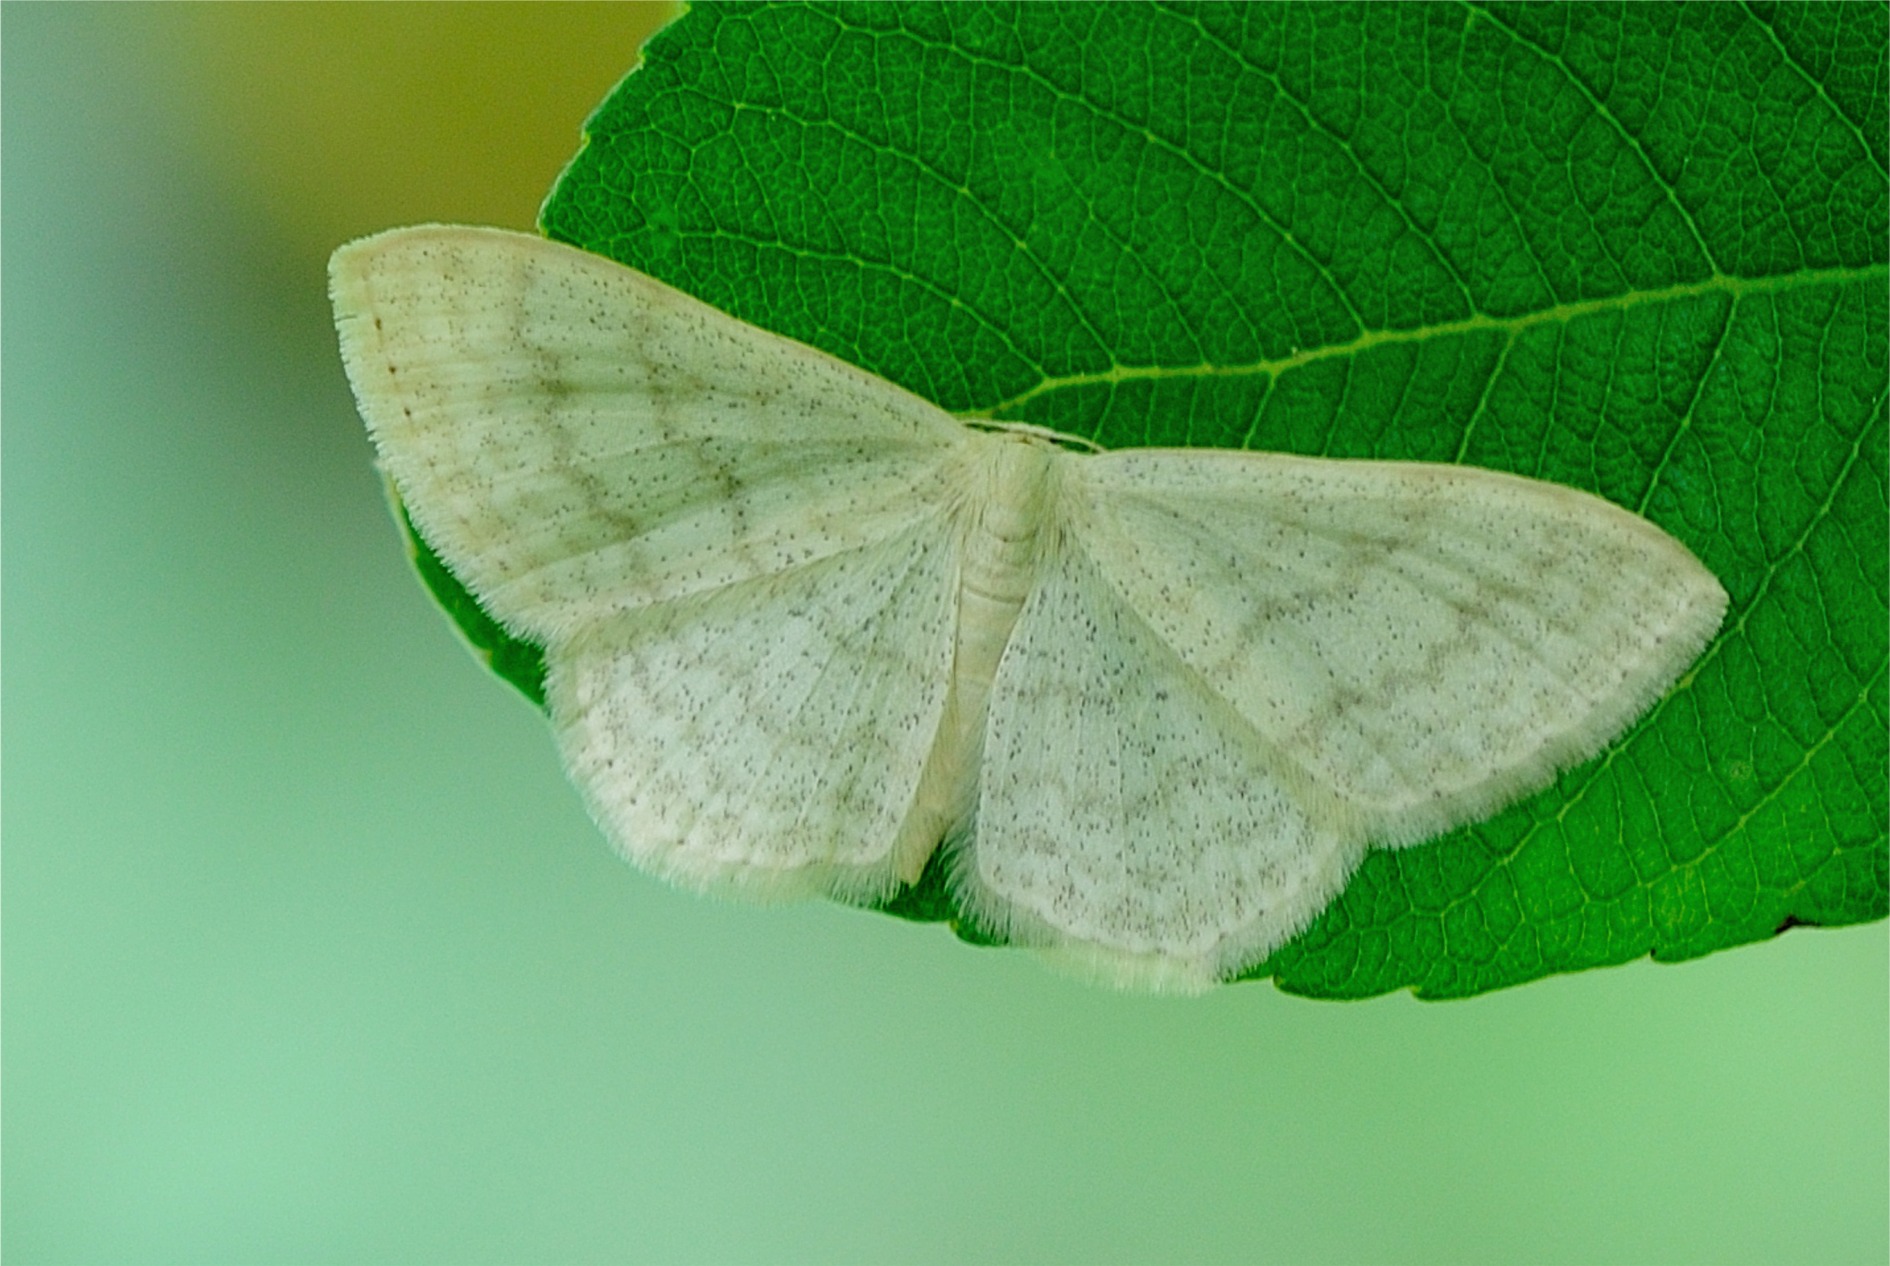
338 119
311 955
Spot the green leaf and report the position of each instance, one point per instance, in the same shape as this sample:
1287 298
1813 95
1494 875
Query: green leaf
1640 250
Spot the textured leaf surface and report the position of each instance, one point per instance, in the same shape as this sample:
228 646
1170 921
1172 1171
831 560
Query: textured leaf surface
1638 250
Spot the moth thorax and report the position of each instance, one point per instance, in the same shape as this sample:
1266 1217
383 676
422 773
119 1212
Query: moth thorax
1008 513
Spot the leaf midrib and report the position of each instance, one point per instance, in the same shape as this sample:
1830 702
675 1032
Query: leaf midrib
1735 287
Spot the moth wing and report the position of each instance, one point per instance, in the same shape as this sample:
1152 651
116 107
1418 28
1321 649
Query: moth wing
1425 642
767 739
577 439
733 548
1129 821
1240 670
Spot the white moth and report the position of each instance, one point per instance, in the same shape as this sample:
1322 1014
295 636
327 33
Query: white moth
802 628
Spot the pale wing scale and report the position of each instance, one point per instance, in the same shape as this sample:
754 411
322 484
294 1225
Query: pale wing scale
1424 642
767 739
577 439
1130 822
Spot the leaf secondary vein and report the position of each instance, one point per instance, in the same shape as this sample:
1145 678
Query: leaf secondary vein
1816 85
1129 126
1628 137
1347 146
1736 625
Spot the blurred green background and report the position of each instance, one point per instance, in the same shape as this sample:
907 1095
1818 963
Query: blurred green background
312 956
